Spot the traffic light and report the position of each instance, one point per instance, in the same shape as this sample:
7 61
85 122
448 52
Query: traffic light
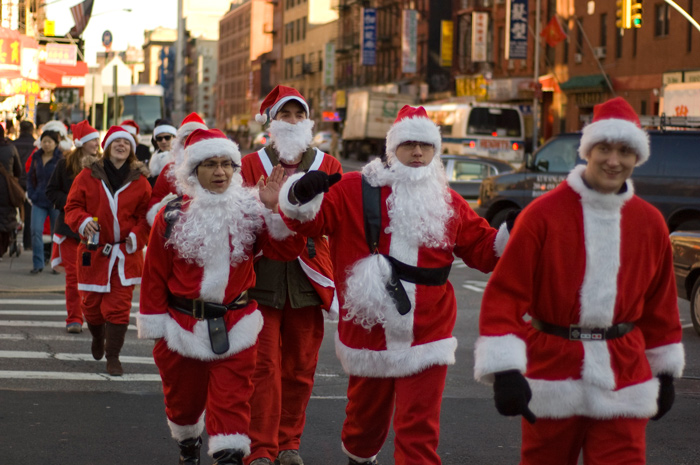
624 14
636 14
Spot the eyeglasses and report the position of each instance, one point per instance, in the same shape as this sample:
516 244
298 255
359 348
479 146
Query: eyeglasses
225 165
166 137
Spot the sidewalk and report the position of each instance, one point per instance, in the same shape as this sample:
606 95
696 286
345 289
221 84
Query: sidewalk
15 277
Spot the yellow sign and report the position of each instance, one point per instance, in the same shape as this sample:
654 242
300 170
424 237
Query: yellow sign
446 42
49 28
471 86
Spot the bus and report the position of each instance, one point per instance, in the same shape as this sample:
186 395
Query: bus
143 104
484 129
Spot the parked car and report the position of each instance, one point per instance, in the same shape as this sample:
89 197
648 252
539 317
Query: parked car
686 265
668 180
465 172
261 139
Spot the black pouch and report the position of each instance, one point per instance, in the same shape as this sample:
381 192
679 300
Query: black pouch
218 337
87 259
398 293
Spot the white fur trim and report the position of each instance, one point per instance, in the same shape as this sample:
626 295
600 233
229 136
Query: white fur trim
499 245
187 128
129 128
134 242
498 353
196 344
367 301
56 126
209 148
238 441
668 359
276 226
280 103
121 135
602 201
182 432
567 398
357 458
151 215
416 129
615 130
65 145
151 326
303 213
81 228
88 137
397 362
261 118
164 129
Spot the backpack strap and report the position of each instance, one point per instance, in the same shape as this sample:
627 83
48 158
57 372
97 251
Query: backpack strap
173 210
372 213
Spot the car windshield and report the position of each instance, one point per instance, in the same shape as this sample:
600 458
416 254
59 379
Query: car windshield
499 122
559 155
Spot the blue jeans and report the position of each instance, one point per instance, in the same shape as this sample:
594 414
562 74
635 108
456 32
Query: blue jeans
38 218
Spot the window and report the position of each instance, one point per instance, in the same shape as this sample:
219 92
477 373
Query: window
603 30
634 42
689 39
661 19
618 44
303 28
579 37
298 28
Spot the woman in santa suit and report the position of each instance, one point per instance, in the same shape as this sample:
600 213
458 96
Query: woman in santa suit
110 197
165 188
194 301
65 240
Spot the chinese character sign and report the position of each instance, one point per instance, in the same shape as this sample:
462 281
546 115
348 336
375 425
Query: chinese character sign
480 26
329 65
517 24
369 37
446 39
61 54
409 46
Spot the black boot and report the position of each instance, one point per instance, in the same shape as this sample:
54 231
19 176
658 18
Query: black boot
368 462
113 346
228 457
189 451
98 340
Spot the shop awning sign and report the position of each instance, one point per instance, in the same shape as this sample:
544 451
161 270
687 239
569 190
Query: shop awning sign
517 17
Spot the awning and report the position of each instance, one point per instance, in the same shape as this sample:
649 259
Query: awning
64 76
592 82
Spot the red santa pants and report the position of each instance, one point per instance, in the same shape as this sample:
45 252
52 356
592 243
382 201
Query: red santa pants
69 260
604 442
370 406
221 386
113 306
284 377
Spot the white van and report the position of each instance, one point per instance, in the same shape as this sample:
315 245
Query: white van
485 129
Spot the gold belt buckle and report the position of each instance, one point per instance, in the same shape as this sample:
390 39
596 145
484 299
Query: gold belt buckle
198 304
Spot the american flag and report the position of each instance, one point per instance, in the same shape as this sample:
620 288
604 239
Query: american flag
81 15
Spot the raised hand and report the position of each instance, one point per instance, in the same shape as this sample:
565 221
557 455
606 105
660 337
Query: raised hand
269 191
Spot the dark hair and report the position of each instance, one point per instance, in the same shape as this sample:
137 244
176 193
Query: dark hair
159 122
3 141
52 134
26 127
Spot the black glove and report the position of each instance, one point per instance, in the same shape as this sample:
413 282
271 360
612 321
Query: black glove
511 392
667 394
312 184
510 219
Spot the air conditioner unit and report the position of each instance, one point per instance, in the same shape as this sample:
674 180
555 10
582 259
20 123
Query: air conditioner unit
599 52
578 57
511 64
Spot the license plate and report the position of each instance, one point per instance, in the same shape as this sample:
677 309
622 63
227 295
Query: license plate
490 144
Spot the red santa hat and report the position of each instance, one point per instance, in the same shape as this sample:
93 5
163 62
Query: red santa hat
131 126
189 124
412 125
615 121
83 132
118 132
202 144
276 99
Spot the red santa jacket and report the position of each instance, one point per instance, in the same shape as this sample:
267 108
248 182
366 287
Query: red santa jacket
401 345
580 257
120 215
164 190
319 269
166 273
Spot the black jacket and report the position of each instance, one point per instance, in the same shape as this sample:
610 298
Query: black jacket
25 146
57 192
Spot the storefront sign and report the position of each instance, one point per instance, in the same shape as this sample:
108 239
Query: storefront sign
589 99
472 86
61 54
10 49
446 43
672 78
329 65
480 26
517 24
409 46
692 76
368 40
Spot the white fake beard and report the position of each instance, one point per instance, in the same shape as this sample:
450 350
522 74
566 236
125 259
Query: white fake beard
291 140
420 204
215 221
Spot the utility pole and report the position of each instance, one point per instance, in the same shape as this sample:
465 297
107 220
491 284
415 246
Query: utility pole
178 113
536 100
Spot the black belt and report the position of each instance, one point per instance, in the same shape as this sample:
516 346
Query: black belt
580 333
412 274
213 313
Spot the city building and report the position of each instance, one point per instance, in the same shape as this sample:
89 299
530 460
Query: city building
159 63
200 78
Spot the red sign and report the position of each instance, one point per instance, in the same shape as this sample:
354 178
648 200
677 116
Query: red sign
10 49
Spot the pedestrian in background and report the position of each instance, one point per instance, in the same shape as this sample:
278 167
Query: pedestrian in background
25 146
163 134
107 206
66 240
42 164
143 153
398 309
292 294
591 264
8 213
166 188
194 300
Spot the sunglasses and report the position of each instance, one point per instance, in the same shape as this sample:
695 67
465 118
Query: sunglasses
163 138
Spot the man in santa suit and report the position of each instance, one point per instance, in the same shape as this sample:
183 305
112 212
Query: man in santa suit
165 188
194 301
291 294
590 264
398 310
